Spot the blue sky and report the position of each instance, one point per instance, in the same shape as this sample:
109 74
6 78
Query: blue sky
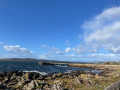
75 30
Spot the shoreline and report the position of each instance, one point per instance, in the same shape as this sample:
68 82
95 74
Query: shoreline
24 80
61 81
21 80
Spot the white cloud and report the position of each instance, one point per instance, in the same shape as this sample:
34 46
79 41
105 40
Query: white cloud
18 50
80 49
52 52
91 57
104 30
59 52
67 50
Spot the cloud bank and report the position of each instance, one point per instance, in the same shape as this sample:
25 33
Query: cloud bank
18 51
104 30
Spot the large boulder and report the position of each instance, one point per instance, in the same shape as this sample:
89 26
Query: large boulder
114 86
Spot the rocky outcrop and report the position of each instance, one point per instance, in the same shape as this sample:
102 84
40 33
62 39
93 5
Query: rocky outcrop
114 86
45 63
34 81
87 82
50 63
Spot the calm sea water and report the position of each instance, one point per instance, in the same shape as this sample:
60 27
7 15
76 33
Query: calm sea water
34 67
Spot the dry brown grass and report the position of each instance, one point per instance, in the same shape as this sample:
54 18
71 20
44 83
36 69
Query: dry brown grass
95 66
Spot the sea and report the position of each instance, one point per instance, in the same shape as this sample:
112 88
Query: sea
32 66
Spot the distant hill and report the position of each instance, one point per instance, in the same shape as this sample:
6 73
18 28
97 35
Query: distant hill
18 59
32 59
44 60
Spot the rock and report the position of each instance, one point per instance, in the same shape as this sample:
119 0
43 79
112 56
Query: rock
34 84
35 75
11 84
84 76
67 76
99 77
37 83
2 87
47 87
56 87
41 77
87 82
91 82
75 73
78 81
58 82
90 76
114 86
22 83
27 76
30 86
54 76
6 80
1 78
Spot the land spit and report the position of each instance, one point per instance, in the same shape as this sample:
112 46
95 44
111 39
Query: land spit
90 66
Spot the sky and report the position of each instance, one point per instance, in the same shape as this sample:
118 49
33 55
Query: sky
67 30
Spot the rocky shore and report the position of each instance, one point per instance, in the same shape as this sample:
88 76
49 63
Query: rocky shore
75 80
61 81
